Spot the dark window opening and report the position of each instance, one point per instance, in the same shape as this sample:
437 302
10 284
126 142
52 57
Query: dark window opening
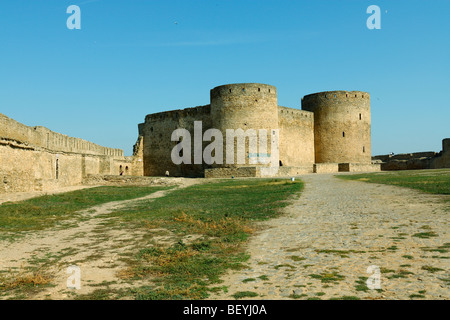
57 168
343 134
364 149
360 116
281 163
230 90
259 89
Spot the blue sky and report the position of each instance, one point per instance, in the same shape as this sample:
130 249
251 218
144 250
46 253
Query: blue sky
132 58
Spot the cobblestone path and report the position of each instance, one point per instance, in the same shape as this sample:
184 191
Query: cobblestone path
322 247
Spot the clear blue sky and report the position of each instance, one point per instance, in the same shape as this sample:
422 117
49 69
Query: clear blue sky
130 59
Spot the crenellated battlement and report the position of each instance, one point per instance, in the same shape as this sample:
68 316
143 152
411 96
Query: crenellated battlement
294 113
243 90
338 95
180 113
41 137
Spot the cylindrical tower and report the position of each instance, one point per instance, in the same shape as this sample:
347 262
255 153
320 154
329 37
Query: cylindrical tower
246 106
341 126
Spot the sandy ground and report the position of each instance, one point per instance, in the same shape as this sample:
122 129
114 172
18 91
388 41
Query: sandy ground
85 243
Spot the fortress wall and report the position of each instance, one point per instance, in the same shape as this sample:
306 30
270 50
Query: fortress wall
42 137
442 161
296 137
244 106
325 167
157 144
359 167
38 159
341 126
241 172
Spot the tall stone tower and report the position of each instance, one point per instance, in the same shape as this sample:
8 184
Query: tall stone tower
341 126
244 106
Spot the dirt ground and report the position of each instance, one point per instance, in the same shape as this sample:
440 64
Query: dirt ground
321 247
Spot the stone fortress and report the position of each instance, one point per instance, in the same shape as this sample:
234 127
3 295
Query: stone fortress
332 133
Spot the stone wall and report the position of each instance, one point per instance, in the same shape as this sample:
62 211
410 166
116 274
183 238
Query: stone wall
242 172
416 160
359 167
38 159
325 167
157 141
296 137
341 126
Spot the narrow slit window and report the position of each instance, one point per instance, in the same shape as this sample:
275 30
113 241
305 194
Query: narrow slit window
364 149
343 134
360 116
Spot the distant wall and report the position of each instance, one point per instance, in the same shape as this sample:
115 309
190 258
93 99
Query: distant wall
443 160
36 158
416 160
359 167
296 137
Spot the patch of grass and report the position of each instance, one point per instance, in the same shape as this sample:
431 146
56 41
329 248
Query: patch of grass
297 258
431 181
327 277
400 274
24 283
248 280
285 265
221 213
244 294
412 296
341 253
406 256
431 269
441 249
297 296
346 298
425 235
46 211
264 277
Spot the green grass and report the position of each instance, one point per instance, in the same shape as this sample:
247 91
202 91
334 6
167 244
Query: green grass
221 213
328 277
46 211
244 294
430 181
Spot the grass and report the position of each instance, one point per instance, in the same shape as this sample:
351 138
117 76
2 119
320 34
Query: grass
221 213
46 211
244 294
430 181
328 277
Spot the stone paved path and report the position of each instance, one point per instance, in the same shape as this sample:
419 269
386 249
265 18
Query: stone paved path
329 237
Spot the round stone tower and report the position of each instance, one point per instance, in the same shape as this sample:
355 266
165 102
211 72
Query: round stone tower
244 106
341 126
